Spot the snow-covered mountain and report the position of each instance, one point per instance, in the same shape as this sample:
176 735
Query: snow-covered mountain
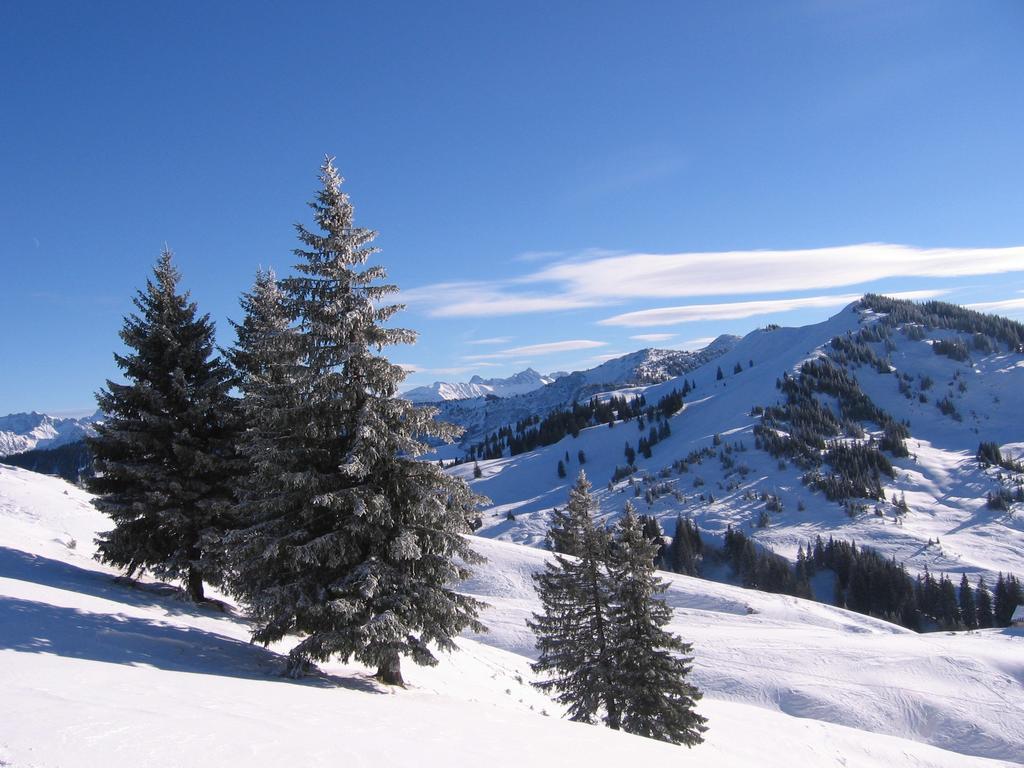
647 366
20 432
97 672
516 384
954 383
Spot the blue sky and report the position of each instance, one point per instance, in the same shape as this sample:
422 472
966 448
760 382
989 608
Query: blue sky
553 183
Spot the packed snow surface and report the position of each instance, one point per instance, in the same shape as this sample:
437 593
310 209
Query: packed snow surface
97 672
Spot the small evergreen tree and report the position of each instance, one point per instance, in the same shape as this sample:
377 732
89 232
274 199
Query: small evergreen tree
164 455
561 468
968 610
651 665
949 609
571 630
983 601
350 541
630 454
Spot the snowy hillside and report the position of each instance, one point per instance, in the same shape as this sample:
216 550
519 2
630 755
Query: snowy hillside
646 366
100 673
948 527
516 384
20 432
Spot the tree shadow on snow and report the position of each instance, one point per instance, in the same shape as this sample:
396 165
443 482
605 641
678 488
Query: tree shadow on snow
25 566
30 626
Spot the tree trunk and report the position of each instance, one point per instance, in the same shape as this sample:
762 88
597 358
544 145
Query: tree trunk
613 720
390 671
194 584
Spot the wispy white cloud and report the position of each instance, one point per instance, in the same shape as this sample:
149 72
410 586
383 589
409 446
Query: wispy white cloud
694 344
540 349
596 278
555 346
479 299
733 310
738 272
493 340
653 336
919 295
458 370
1008 305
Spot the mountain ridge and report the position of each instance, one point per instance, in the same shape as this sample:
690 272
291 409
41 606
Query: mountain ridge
21 432
519 383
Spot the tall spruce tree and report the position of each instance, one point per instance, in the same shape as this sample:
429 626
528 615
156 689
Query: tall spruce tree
164 454
572 629
651 665
352 541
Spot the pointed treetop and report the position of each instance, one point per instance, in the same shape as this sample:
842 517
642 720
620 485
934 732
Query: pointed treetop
330 177
167 274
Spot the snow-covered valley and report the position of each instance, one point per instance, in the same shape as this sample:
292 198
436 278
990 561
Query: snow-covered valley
100 673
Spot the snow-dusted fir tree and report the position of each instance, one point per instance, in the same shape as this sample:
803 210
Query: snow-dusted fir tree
572 628
265 354
651 665
164 453
353 543
266 361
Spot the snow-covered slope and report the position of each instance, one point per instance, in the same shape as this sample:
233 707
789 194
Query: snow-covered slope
98 673
949 527
20 432
516 384
644 367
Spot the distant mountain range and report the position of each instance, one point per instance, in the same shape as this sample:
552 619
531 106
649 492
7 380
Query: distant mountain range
20 432
645 366
480 415
516 384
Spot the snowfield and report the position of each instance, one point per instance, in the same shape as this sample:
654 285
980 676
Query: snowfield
948 529
97 672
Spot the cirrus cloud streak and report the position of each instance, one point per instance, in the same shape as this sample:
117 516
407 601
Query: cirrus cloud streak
598 278
735 310
547 348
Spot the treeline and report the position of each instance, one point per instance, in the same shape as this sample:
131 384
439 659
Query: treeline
72 461
939 314
857 471
536 431
989 454
864 581
809 433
